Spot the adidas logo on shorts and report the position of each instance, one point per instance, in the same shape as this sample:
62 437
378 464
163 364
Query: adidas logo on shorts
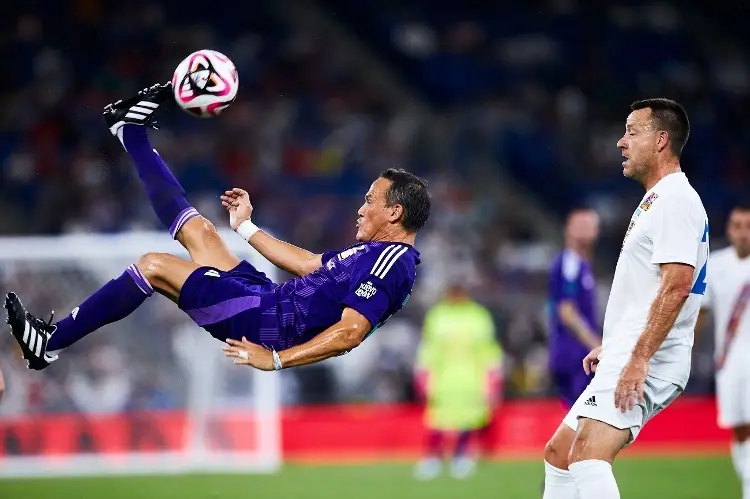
591 401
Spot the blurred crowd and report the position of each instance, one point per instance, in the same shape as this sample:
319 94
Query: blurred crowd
538 91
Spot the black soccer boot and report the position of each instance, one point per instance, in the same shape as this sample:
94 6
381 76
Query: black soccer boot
32 334
138 110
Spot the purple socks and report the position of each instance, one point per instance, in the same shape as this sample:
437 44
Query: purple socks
112 302
165 193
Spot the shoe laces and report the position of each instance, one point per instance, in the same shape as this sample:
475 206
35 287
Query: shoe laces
44 326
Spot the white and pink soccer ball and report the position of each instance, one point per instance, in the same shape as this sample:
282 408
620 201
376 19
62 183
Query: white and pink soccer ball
205 83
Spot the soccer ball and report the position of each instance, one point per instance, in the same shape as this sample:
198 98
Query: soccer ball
205 83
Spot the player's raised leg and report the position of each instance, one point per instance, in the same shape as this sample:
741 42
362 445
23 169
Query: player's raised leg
129 121
112 302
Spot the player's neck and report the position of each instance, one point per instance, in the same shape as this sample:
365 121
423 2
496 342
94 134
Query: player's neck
396 237
661 170
741 255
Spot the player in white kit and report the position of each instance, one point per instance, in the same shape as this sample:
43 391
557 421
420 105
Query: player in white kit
644 361
727 297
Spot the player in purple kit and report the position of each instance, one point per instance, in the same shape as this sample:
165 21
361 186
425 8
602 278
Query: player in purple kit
336 301
572 318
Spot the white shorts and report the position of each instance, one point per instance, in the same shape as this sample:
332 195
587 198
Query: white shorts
598 402
733 397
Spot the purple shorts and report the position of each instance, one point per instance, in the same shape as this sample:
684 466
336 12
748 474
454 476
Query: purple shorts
228 304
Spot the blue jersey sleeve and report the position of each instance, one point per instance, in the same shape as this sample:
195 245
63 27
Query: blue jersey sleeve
375 283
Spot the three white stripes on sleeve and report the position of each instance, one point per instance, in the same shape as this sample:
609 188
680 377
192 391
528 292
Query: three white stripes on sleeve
386 260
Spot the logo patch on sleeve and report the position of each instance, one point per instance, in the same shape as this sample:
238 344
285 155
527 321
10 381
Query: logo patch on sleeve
646 204
366 290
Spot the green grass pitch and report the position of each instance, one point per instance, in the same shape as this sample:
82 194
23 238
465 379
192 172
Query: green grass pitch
672 478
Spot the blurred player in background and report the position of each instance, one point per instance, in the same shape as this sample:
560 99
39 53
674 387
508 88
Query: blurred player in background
644 361
337 299
727 297
459 375
573 330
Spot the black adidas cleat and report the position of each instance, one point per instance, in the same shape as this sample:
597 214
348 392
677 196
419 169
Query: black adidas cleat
138 110
32 334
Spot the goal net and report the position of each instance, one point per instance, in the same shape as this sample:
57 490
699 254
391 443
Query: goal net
150 394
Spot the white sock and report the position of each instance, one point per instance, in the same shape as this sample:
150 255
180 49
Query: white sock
558 484
738 456
594 480
744 452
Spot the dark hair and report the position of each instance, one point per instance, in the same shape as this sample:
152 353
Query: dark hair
669 116
411 192
741 206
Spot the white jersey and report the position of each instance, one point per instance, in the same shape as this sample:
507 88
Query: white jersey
669 226
728 296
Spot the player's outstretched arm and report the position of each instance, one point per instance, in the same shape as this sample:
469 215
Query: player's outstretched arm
338 339
343 336
286 256
2 385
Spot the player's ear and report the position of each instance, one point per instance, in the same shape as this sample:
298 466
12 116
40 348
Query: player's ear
395 212
662 141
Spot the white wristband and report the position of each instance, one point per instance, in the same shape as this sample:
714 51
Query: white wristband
247 229
277 361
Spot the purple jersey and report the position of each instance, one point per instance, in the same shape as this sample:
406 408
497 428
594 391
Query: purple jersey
373 278
570 279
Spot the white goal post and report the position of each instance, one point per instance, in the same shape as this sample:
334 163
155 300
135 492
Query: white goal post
150 394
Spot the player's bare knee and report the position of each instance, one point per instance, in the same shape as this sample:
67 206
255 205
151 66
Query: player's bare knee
557 449
166 273
205 245
198 236
152 266
206 228
197 232
556 456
